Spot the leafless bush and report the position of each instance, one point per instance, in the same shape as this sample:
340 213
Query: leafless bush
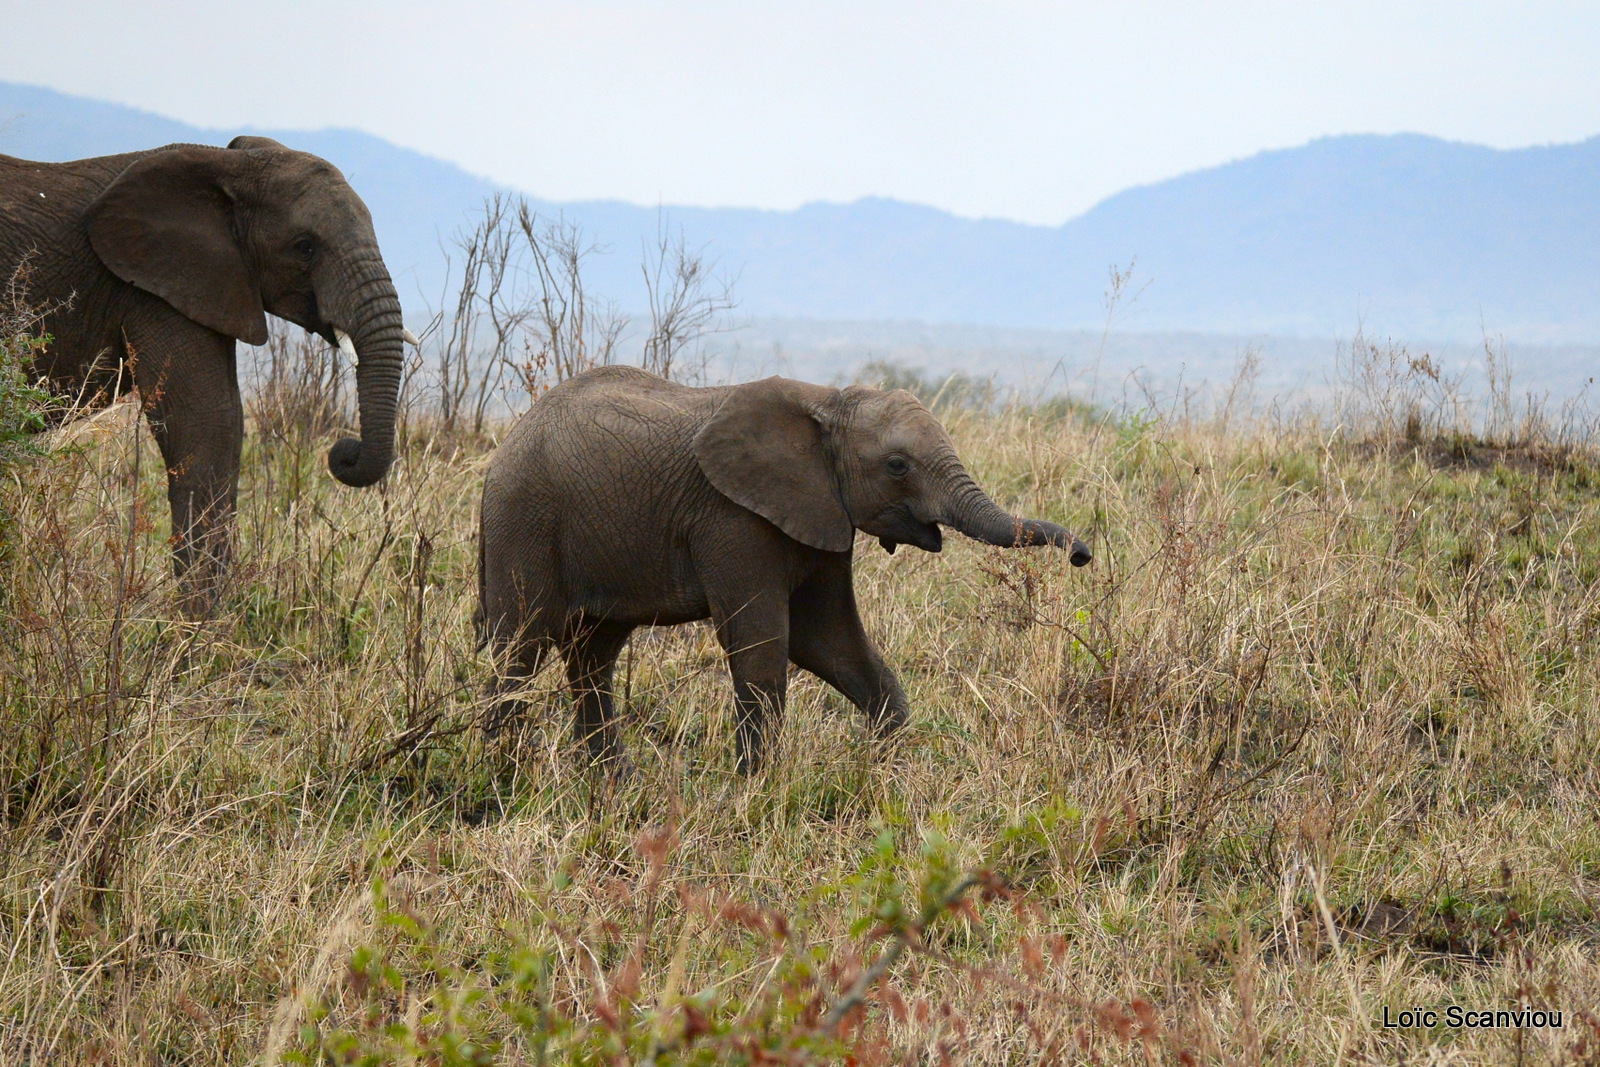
520 306
298 392
1509 420
687 301
573 330
490 310
1237 398
522 316
1388 393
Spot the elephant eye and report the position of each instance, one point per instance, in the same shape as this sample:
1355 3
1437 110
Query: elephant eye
898 467
304 247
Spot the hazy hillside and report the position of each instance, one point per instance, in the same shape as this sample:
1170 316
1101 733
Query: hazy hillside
1416 237
1419 236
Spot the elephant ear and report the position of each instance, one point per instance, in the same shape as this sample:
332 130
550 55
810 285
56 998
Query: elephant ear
765 449
246 142
166 225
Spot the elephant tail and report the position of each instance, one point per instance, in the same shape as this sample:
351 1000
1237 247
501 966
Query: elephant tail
479 615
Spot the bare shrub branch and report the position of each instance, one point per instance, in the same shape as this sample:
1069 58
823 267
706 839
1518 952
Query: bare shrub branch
489 301
298 393
687 302
573 331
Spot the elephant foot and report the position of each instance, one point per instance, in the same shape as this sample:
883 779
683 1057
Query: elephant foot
198 605
200 588
890 721
884 745
615 769
752 763
504 717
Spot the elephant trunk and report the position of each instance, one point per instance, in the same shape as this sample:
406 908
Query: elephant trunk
972 512
376 332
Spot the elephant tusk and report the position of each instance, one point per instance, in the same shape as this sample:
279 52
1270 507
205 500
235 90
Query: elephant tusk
347 346
409 337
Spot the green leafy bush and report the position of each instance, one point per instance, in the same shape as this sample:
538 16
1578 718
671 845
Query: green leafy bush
407 994
23 401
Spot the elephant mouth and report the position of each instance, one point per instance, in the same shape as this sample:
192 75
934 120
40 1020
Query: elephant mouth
925 535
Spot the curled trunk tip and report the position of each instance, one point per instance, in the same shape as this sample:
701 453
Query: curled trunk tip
349 462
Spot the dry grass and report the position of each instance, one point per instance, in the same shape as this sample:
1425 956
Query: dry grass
1316 734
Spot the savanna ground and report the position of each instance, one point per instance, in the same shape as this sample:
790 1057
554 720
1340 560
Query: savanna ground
1316 734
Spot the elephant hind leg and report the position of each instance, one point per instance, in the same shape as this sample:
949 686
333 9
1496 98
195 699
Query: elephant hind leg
516 628
591 653
517 664
827 638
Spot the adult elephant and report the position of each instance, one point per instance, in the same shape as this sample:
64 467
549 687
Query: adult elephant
150 265
623 500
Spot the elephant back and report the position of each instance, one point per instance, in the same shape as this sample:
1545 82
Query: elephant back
620 401
606 427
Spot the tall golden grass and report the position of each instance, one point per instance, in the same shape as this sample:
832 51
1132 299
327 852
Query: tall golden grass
1315 735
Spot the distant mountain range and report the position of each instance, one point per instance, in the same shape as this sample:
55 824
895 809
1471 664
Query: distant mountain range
1413 236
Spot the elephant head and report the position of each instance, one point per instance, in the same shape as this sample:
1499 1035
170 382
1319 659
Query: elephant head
225 235
820 463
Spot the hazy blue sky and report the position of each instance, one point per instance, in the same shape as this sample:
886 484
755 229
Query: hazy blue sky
1030 111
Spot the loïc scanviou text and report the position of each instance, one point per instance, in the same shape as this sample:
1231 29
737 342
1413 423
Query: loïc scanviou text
1457 1017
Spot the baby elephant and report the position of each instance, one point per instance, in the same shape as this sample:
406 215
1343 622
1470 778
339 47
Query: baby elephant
623 500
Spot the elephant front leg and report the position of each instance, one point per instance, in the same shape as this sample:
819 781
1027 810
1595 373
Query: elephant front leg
197 417
756 641
827 638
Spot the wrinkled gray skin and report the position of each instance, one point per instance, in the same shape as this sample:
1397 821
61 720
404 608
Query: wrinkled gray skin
622 500
168 257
